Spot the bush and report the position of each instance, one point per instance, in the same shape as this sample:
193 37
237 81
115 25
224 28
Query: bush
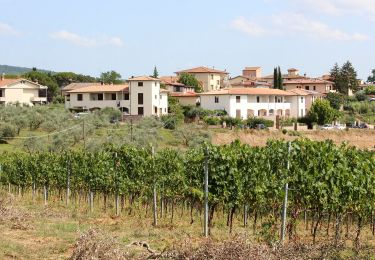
253 121
370 90
170 121
210 120
284 131
360 96
7 130
232 121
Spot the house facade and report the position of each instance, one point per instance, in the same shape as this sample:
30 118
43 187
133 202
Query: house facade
141 96
249 102
210 79
22 91
185 95
311 84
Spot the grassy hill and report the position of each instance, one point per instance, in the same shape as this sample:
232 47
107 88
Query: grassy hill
15 70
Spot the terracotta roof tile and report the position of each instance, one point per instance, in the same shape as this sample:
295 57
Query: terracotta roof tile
186 94
77 85
100 89
143 78
6 82
249 91
252 68
202 70
307 81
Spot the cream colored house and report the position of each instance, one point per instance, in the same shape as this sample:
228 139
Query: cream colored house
318 85
210 79
22 91
141 96
249 102
303 99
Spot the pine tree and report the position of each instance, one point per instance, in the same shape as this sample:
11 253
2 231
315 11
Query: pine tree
156 73
275 78
349 77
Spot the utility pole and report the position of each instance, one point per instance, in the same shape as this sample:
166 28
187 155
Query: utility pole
83 134
285 204
131 129
68 184
155 195
116 183
206 193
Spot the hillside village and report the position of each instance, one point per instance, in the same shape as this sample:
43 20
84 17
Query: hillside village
250 94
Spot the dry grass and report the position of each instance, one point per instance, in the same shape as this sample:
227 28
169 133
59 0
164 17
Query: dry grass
361 138
60 232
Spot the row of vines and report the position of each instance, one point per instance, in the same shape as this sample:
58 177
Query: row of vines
327 183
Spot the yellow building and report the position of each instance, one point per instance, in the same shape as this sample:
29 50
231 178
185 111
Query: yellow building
210 79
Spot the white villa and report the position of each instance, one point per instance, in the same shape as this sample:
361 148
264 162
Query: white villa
248 102
22 91
140 96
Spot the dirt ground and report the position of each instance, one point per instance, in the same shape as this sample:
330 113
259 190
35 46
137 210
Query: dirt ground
361 138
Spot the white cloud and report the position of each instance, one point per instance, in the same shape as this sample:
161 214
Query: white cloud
83 41
339 7
6 29
290 23
300 24
248 27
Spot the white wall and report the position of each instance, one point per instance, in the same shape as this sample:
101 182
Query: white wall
24 93
247 102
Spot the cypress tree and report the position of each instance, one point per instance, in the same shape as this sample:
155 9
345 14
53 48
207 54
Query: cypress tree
275 78
279 79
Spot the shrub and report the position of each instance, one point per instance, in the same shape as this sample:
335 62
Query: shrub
7 130
253 121
370 90
210 120
170 121
284 131
360 96
231 121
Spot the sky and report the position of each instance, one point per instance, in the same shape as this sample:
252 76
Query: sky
131 37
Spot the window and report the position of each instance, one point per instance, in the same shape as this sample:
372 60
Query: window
140 111
216 99
67 96
126 96
271 112
218 82
177 89
307 87
100 96
314 88
155 110
140 99
140 84
258 99
302 112
113 96
79 97
275 99
238 99
212 76
156 96
1 93
301 99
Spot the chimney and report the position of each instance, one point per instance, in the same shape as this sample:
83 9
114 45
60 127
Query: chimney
2 76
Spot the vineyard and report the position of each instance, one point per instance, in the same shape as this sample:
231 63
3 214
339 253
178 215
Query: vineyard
328 185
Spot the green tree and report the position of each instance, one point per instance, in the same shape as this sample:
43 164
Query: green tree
111 77
371 78
279 78
189 80
156 73
65 78
321 112
275 77
349 77
335 100
345 78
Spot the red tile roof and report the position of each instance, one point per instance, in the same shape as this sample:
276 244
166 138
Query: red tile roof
100 89
6 82
186 94
307 81
202 70
143 78
249 91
